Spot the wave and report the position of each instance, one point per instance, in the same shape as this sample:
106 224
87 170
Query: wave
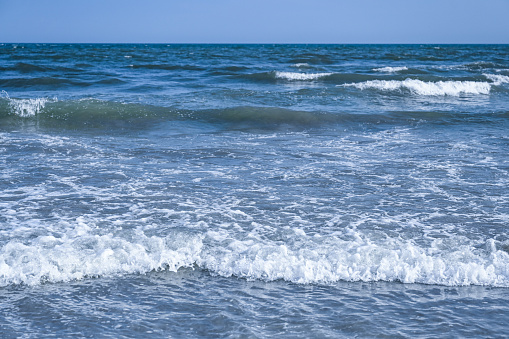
234 68
312 58
93 113
27 107
110 81
301 65
24 67
419 87
474 66
401 70
51 82
291 76
80 114
167 67
497 79
276 76
80 253
390 69
480 65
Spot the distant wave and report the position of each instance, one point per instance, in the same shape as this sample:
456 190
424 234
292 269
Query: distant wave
275 76
292 76
52 82
480 65
312 58
497 79
167 67
390 69
475 66
301 65
419 87
23 67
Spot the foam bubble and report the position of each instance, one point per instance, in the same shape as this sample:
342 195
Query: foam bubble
390 69
440 88
292 76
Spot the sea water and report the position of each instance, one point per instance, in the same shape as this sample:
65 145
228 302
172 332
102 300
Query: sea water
254 190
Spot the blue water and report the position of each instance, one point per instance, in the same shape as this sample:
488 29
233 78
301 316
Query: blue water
254 190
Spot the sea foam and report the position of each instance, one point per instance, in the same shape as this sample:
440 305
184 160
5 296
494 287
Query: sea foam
26 107
300 76
419 87
390 69
497 79
80 253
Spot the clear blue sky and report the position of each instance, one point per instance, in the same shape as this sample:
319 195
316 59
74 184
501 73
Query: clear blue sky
260 21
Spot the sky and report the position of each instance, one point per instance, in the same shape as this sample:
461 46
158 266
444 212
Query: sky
250 21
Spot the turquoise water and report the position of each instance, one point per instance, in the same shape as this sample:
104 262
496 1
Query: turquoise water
254 190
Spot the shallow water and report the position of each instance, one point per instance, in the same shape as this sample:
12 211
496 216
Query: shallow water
197 304
254 190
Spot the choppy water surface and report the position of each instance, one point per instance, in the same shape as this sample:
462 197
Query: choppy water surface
254 190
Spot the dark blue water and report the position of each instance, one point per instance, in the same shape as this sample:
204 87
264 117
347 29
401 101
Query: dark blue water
254 190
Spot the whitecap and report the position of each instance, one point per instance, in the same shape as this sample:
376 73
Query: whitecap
390 69
301 65
292 76
27 107
79 253
419 87
497 79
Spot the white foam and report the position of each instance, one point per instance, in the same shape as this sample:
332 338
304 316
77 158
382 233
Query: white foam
497 79
301 65
350 256
292 76
419 87
80 254
390 69
362 260
26 107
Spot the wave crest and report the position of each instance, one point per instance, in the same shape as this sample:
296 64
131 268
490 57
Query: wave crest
419 87
497 79
26 108
293 76
390 69
79 253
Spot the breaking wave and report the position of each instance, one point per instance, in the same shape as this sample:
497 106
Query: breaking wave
99 114
276 76
26 107
390 69
419 87
300 76
79 254
497 79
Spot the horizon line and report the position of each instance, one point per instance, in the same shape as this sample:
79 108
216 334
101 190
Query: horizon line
265 43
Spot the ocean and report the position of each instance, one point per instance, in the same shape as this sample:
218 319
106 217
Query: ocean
249 191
